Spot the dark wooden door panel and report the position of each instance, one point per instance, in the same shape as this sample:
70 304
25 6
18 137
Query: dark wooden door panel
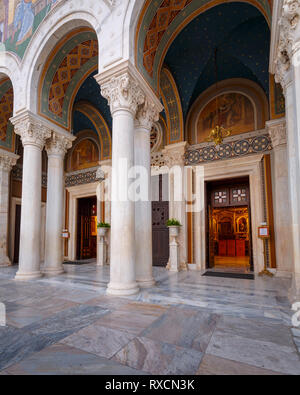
160 233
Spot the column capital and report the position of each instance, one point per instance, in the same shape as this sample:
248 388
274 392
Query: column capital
58 144
31 129
277 132
7 160
125 88
146 115
289 40
174 154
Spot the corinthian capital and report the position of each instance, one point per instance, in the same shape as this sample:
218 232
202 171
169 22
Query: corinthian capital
147 114
123 92
59 144
277 132
31 130
174 155
289 38
7 160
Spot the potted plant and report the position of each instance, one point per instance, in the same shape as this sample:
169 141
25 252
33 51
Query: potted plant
174 226
103 227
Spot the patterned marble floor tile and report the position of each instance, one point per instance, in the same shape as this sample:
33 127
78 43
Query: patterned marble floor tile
159 358
258 329
24 316
183 327
265 355
296 332
60 359
65 323
133 323
215 366
99 340
16 344
152 310
107 302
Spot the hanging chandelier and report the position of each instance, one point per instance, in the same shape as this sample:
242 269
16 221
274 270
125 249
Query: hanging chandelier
218 133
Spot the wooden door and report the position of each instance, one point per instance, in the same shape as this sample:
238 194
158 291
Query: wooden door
86 238
17 233
160 233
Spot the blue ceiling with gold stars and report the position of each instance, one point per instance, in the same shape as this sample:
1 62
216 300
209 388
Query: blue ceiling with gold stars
242 38
90 92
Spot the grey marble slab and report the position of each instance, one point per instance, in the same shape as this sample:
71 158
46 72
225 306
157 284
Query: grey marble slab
262 354
67 322
257 329
215 366
61 359
183 327
159 358
99 340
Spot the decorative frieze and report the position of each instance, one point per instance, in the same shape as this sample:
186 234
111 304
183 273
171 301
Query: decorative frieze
82 177
229 150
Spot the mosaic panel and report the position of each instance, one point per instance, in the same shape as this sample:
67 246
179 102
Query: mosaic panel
6 112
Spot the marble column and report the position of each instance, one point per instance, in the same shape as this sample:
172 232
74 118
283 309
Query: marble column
34 135
56 148
287 72
7 161
283 233
146 116
124 96
174 156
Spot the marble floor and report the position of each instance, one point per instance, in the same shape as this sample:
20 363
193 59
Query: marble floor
187 324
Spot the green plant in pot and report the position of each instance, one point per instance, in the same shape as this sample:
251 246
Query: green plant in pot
103 228
174 226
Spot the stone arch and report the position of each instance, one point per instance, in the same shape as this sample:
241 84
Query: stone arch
64 18
66 68
242 86
100 126
160 22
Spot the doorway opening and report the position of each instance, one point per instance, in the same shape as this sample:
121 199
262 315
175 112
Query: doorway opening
87 228
229 232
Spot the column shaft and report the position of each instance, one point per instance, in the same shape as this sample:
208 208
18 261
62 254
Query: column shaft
143 211
122 267
29 261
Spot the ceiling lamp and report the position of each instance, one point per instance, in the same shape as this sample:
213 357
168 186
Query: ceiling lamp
218 133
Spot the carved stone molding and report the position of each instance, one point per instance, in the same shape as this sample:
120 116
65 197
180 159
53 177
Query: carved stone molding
174 155
287 44
31 130
147 114
277 132
123 92
7 161
58 144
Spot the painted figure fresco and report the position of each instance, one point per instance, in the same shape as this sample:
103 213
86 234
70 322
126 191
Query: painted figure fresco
18 21
85 154
235 112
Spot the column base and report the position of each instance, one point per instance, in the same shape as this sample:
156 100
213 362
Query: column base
115 289
294 293
146 283
5 262
53 272
28 276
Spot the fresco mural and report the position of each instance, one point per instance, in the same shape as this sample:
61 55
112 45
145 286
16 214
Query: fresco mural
6 111
18 21
235 112
85 155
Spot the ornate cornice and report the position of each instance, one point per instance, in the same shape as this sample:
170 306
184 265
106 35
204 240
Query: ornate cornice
277 132
58 145
123 93
7 161
147 114
31 130
287 44
174 155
